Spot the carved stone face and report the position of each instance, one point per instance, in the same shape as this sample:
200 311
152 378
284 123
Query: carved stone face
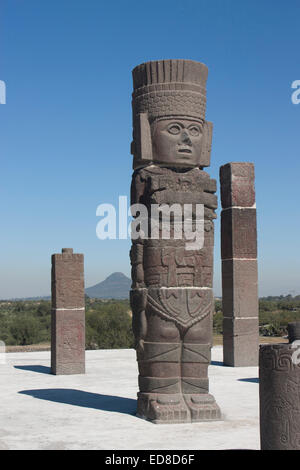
177 141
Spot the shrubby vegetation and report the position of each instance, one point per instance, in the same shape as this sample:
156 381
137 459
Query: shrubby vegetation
274 314
27 322
108 322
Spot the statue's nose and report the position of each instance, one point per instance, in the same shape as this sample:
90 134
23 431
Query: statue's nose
185 138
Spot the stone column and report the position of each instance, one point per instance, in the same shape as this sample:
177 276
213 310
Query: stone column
239 265
68 314
279 393
171 297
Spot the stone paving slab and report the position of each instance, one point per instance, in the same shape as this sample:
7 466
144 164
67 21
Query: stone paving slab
97 410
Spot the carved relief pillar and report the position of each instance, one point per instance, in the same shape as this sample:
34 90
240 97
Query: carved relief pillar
279 393
239 265
68 314
171 296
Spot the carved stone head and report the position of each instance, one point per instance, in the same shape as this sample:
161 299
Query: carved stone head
169 126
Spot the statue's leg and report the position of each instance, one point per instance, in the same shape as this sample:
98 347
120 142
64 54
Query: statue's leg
160 398
196 349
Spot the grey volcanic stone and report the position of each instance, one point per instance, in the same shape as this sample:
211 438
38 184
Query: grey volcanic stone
237 185
68 314
238 233
239 265
171 297
279 392
294 331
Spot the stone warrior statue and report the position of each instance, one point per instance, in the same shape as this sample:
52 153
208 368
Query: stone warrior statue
171 296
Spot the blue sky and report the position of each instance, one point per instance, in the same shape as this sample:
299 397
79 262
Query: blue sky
65 130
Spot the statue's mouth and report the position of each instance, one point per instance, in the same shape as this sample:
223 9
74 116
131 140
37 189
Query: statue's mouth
185 150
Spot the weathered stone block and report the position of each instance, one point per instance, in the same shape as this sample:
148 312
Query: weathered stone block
193 385
238 233
68 314
68 351
174 266
239 288
237 185
67 280
240 327
240 342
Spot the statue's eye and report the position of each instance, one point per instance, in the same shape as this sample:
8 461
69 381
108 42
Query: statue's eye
194 131
174 129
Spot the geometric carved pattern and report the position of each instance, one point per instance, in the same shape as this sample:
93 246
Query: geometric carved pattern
184 306
279 398
171 103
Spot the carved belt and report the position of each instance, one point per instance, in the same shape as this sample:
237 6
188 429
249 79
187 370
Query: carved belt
184 306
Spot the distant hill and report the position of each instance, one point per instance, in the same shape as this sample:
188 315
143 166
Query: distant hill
115 286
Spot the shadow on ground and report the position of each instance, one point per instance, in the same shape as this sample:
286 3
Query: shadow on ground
217 363
85 399
252 379
40 369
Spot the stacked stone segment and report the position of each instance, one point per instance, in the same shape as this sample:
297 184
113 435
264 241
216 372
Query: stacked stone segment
68 313
239 265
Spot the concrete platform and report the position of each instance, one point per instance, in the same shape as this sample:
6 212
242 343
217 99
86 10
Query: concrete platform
97 410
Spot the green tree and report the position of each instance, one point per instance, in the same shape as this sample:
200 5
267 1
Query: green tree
25 329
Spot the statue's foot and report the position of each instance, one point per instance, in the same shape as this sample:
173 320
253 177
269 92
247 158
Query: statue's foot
163 408
202 407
